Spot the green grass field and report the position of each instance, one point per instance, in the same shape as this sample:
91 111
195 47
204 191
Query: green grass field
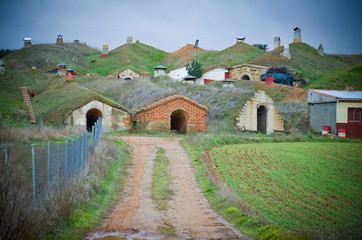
301 186
338 80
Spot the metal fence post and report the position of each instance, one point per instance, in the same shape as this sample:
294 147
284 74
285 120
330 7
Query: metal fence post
76 154
66 162
80 153
6 154
48 168
93 138
33 169
58 159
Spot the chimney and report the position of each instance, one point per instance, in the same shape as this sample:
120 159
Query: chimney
27 41
286 52
129 39
320 50
69 75
276 42
59 39
297 35
240 39
105 51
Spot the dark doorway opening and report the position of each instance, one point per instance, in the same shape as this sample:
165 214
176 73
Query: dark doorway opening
245 77
179 121
92 117
261 119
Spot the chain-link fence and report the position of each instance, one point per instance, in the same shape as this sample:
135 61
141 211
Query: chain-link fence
43 168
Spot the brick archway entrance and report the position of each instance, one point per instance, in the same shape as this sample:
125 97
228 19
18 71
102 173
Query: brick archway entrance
92 116
178 121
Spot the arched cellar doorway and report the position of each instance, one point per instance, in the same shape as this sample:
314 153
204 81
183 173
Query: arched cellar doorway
92 117
179 121
261 119
245 77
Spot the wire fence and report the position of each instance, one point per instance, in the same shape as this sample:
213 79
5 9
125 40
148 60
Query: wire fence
43 168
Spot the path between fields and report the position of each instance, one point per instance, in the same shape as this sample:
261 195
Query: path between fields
189 214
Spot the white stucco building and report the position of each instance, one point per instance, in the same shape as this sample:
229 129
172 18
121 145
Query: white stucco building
178 74
216 73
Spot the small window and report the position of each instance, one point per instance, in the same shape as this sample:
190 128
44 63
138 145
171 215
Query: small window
354 114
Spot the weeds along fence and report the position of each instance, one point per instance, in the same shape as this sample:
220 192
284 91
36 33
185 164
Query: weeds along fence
42 168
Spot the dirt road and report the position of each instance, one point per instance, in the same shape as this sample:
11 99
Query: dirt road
189 215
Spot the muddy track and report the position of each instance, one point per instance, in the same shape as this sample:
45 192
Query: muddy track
189 214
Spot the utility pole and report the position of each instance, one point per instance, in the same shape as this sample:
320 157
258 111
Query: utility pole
196 46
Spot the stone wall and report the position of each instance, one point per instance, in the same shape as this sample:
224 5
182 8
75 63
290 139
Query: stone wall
253 72
322 114
247 117
128 73
114 119
157 116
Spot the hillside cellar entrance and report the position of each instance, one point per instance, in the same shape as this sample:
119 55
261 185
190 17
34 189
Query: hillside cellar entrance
178 121
245 77
174 113
259 114
261 119
92 117
114 117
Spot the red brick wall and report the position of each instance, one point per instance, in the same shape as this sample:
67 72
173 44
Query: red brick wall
197 116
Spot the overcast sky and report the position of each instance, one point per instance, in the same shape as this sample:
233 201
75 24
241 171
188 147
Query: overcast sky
169 24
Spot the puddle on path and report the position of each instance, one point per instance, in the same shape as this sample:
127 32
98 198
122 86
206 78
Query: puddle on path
122 236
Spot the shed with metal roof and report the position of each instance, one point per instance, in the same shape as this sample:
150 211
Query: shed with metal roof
337 109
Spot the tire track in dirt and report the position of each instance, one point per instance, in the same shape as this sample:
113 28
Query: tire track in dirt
189 213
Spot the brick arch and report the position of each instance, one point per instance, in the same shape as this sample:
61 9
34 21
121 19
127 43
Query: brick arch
179 120
157 116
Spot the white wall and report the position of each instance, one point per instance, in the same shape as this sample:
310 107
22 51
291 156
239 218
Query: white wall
217 74
178 74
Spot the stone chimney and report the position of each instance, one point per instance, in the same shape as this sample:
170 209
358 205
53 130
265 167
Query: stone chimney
320 50
276 42
69 76
59 39
286 52
297 35
129 39
240 39
105 51
27 42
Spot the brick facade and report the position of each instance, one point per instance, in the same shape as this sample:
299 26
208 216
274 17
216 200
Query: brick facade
177 110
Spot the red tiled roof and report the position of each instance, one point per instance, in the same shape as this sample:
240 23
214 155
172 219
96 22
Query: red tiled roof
169 98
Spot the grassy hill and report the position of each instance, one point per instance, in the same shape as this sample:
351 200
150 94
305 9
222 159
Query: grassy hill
56 103
12 108
237 54
184 55
137 56
44 56
55 100
353 60
305 61
340 79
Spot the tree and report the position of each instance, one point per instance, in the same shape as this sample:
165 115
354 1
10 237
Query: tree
195 69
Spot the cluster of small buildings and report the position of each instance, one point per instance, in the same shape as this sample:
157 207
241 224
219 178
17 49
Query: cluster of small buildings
330 111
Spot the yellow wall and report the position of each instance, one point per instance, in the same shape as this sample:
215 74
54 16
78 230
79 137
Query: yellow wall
342 110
